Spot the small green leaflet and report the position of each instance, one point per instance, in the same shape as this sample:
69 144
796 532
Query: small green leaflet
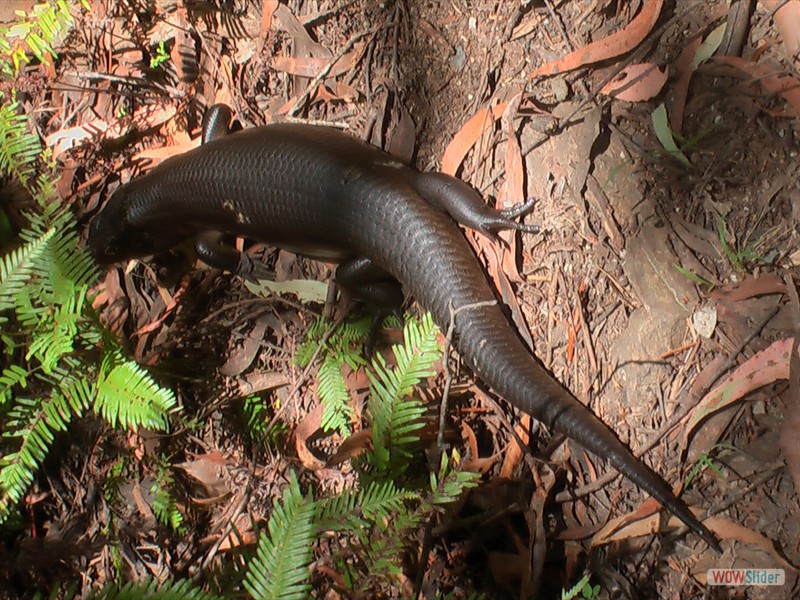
307 290
664 134
708 47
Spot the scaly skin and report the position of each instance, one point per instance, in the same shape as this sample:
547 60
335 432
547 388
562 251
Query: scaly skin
326 195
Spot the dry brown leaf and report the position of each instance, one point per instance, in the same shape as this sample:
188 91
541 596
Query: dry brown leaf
242 356
335 91
527 25
403 137
614 45
513 189
310 66
763 368
208 471
786 86
141 503
728 530
751 287
683 72
514 452
637 83
473 462
159 154
241 535
467 136
144 118
310 424
268 8
642 522
470 439
787 18
285 20
353 446
498 275
171 305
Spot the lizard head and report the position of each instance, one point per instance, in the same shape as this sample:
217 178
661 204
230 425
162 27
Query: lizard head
114 238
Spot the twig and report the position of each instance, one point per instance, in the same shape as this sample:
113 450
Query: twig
172 92
448 375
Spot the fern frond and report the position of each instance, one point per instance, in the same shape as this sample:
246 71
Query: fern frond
19 148
126 394
153 590
396 415
35 32
280 567
450 483
165 507
34 423
70 264
372 503
337 413
12 376
380 560
56 332
17 267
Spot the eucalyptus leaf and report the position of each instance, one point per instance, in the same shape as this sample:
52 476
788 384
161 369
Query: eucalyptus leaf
709 46
664 134
307 290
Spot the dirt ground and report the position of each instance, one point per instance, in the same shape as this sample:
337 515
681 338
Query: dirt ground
660 290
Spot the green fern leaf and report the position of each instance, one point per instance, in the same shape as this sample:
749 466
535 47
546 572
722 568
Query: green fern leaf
153 590
353 509
12 376
34 424
19 148
337 412
280 567
56 332
165 507
17 267
395 414
126 394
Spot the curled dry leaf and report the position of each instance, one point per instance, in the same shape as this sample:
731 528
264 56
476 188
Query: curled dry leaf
468 136
514 454
354 445
310 424
726 529
786 86
680 87
763 368
311 66
787 18
751 287
614 45
96 130
645 521
268 8
637 83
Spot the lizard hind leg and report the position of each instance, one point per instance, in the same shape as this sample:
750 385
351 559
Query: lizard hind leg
466 207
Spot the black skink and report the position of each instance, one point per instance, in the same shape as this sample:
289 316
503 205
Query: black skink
326 195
